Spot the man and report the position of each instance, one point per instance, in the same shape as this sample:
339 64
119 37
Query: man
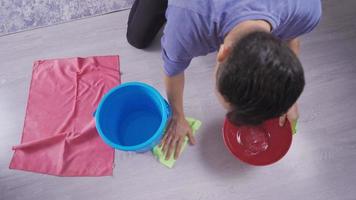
258 74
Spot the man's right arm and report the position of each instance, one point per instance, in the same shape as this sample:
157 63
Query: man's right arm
174 89
178 128
180 43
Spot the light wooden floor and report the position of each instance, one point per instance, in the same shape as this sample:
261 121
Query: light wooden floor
321 164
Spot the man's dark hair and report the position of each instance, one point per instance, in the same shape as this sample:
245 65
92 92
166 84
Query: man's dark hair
261 79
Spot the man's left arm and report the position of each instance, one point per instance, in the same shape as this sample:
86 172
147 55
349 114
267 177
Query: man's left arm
293 112
294 45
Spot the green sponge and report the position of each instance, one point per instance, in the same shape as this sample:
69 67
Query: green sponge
157 151
294 125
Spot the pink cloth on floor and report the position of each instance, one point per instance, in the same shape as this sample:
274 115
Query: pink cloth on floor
59 135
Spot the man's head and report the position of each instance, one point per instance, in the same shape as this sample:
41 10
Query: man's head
259 78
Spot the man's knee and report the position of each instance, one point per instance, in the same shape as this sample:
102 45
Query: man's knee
145 20
136 40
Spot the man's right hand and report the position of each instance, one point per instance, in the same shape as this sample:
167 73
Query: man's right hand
178 126
177 129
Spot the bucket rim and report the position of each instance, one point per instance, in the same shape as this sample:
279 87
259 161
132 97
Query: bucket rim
154 137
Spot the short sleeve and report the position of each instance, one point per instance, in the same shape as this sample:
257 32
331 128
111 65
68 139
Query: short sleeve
302 21
184 37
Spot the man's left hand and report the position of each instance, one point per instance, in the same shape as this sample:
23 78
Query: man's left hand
292 115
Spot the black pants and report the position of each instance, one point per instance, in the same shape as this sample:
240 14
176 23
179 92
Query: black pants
145 20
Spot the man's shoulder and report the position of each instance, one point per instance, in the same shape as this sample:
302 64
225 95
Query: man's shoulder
298 17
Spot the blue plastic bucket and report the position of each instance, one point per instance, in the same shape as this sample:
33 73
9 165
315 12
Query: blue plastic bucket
132 117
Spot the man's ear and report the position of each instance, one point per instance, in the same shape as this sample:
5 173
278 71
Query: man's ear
223 52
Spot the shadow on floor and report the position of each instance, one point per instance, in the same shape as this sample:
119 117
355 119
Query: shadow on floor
216 156
155 46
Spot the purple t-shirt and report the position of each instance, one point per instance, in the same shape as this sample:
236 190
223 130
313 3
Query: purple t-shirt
198 27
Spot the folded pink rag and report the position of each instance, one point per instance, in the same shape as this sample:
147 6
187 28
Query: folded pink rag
59 135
